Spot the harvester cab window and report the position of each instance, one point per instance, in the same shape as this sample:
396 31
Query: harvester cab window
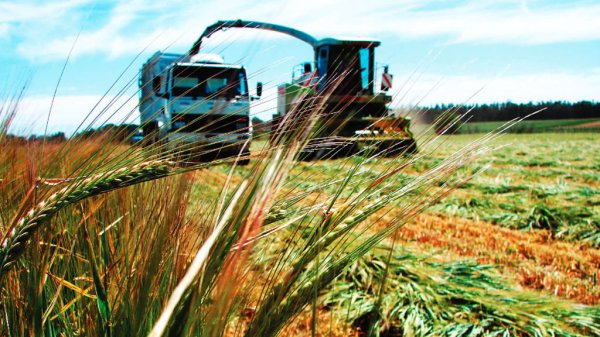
322 65
344 73
365 68
302 73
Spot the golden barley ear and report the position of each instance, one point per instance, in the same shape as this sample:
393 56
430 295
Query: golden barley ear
14 246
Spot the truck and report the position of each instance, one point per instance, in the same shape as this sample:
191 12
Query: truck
342 73
197 105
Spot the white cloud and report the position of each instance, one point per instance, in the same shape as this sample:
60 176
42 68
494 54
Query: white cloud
70 111
431 89
107 38
30 11
4 30
471 21
133 25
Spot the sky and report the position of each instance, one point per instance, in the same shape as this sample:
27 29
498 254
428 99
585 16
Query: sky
453 51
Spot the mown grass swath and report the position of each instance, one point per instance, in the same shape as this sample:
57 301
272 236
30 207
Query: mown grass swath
425 297
126 241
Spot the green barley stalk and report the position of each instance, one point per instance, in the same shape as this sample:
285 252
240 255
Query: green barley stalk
14 246
246 214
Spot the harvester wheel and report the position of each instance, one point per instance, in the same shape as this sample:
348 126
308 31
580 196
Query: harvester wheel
332 148
394 148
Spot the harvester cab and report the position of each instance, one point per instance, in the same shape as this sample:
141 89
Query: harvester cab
302 74
343 75
346 65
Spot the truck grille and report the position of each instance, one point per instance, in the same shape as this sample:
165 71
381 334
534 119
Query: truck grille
209 123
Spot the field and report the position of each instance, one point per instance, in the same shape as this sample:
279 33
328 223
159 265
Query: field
533 212
466 238
535 126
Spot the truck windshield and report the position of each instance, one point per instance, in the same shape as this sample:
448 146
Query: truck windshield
202 81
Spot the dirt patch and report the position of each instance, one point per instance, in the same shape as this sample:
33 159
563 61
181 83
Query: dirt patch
588 125
565 269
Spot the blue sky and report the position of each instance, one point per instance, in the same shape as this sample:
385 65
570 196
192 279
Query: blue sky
454 51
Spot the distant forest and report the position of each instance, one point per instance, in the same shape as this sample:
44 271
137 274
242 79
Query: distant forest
507 111
114 133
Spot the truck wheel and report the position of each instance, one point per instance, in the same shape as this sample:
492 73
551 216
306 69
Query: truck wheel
150 132
246 160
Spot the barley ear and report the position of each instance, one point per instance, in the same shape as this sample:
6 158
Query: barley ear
27 225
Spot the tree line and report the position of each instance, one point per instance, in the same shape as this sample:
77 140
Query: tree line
112 132
508 111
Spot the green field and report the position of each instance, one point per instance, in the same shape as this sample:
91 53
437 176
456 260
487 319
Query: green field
532 126
539 181
505 244
534 181
544 185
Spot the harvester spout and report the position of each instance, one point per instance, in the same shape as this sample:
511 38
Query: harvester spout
223 25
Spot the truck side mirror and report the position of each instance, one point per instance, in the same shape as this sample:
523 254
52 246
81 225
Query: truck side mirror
259 87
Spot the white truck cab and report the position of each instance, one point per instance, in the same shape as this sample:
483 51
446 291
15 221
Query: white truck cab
196 100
